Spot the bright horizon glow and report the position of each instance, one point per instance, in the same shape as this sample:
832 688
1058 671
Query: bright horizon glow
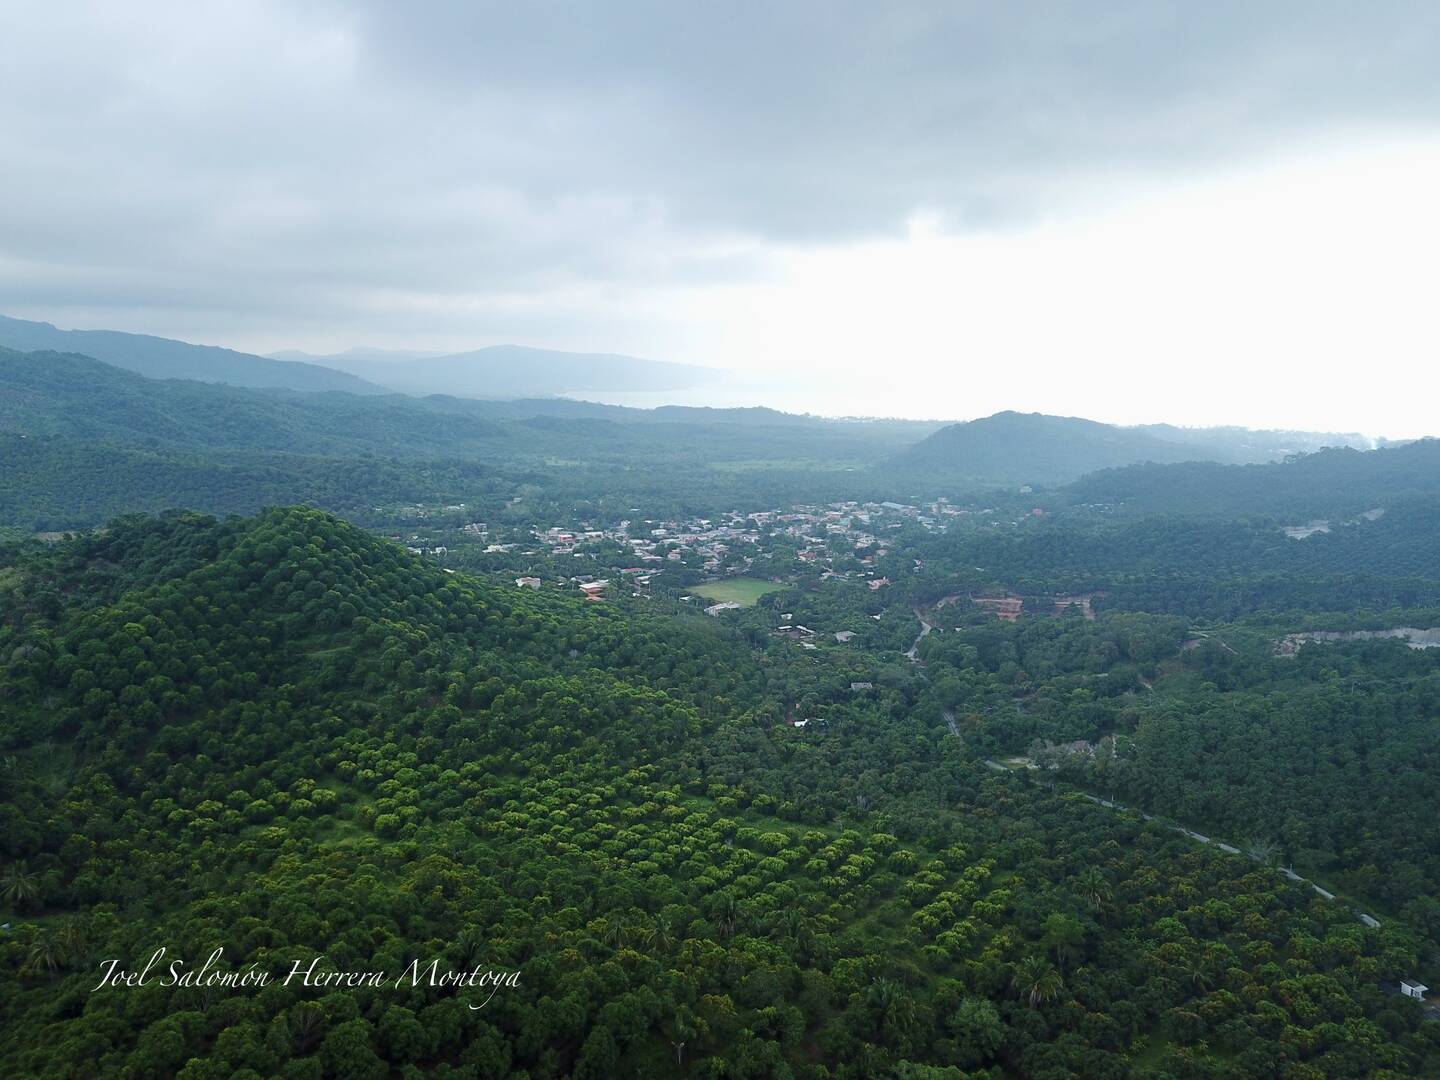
1298 297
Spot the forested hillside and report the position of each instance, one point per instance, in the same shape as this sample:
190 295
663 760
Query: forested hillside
1209 568
283 736
165 358
84 441
1030 448
1336 481
1315 757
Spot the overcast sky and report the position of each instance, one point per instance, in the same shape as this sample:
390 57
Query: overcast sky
1219 212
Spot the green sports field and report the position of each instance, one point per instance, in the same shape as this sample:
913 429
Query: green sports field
744 590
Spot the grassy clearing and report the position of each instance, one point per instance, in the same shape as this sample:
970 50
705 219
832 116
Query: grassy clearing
744 590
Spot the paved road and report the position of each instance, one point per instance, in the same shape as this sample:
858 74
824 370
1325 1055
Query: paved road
926 626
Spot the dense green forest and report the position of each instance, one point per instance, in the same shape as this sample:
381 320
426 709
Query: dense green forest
82 441
1319 753
282 736
1334 482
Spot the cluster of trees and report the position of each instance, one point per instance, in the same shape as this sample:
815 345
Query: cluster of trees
285 737
1320 754
1338 482
1205 567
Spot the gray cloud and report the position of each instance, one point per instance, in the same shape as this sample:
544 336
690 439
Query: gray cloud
379 170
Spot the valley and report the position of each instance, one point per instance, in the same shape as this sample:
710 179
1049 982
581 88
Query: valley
764 772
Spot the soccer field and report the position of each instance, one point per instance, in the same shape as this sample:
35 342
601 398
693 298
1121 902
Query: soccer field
745 590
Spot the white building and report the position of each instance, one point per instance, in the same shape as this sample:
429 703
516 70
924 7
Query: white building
1413 989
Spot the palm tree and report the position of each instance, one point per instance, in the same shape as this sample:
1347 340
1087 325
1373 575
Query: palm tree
616 934
72 939
1093 887
1196 975
725 910
20 885
469 947
1037 979
1065 936
661 935
44 952
681 1032
793 924
893 1006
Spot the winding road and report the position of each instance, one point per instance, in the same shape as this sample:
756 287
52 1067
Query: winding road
926 625
925 628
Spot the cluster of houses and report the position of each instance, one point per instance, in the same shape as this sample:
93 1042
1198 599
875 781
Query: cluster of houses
847 540
592 590
653 544
733 542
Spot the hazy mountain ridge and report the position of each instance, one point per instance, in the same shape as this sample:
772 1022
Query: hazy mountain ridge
1333 481
167 358
501 371
1254 445
1033 448
68 396
1036 448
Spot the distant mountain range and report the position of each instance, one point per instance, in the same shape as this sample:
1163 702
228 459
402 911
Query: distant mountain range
502 371
1034 448
1245 445
1336 480
51 396
507 371
164 358
66 419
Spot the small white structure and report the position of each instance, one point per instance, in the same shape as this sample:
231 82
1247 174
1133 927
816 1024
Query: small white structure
844 636
1413 989
1370 921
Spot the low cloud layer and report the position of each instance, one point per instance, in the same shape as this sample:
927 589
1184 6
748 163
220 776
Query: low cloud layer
451 175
